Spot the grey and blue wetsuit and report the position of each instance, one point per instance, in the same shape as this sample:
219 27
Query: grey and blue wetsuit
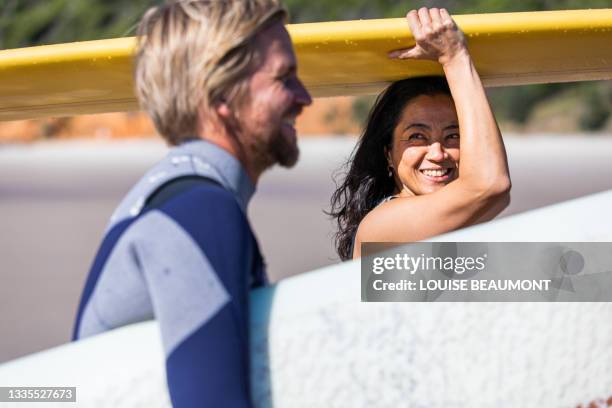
189 262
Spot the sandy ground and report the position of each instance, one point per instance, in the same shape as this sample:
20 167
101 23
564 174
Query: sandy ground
55 200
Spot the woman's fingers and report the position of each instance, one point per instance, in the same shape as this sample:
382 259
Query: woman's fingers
435 33
424 18
447 20
414 24
436 19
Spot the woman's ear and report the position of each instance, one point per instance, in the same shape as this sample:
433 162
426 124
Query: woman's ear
388 156
390 169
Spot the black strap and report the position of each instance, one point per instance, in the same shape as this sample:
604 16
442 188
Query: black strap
175 187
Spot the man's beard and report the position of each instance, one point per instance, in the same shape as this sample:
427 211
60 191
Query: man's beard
284 150
264 152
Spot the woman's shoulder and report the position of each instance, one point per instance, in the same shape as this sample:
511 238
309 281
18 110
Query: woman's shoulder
386 199
378 213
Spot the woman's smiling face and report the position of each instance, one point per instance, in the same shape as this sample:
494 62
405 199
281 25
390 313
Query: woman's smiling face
425 150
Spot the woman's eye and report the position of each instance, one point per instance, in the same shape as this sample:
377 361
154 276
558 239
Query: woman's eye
416 136
452 139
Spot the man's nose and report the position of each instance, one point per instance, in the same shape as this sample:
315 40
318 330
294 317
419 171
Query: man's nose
436 152
301 94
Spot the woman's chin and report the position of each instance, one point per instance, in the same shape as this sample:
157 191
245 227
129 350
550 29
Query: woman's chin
429 187
424 185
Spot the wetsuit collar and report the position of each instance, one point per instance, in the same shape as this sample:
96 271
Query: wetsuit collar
231 174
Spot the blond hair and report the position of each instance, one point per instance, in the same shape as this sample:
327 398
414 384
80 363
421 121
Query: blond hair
193 54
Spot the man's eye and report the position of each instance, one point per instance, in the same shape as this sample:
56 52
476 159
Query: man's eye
417 136
453 136
285 79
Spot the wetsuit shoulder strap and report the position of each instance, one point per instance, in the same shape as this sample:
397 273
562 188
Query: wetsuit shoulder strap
175 187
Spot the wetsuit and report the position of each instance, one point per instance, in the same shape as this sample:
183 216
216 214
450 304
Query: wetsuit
179 249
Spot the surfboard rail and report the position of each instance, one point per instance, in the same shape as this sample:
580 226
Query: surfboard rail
335 58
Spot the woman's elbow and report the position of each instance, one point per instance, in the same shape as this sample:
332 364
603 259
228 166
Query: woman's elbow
501 187
495 190
499 193
504 200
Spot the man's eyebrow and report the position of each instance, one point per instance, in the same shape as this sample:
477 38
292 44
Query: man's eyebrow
453 126
286 69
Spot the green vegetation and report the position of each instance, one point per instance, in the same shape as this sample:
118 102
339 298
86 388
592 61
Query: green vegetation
25 23
35 22
599 102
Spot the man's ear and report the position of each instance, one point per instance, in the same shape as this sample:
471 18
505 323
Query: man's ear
223 110
218 115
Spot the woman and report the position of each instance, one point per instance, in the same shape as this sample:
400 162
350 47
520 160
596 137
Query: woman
405 181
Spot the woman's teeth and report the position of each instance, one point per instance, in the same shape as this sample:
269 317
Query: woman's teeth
435 173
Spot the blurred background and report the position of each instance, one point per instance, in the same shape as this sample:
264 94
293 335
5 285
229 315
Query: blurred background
566 108
60 178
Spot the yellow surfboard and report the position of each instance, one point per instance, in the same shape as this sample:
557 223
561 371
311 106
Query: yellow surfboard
335 58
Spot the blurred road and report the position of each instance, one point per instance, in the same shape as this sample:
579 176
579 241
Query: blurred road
55 200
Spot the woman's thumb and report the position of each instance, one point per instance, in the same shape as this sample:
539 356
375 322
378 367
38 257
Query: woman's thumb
406 53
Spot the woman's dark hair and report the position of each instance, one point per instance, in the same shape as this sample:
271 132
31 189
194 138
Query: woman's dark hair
367 181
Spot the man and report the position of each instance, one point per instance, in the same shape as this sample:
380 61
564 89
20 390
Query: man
219 80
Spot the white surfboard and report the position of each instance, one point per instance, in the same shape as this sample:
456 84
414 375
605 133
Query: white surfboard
314 344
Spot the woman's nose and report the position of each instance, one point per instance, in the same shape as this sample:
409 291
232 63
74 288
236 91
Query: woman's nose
436 152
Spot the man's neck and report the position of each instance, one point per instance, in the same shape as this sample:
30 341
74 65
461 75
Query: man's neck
231 144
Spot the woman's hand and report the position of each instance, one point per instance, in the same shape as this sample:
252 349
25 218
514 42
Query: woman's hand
437 37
